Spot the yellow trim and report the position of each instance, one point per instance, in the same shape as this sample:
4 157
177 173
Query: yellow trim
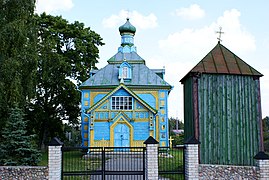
86 103
86 119
162 94
152 92
85 143
138 143
101 143
85 135
86 95
94 94
162 103
163 144
86 127
121 120
92 137
151 133
99 107
157 128
162 111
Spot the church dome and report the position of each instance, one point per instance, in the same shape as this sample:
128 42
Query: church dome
127 28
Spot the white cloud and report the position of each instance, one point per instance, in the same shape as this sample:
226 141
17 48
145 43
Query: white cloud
137 19
191 13
191 43
186 48
50 6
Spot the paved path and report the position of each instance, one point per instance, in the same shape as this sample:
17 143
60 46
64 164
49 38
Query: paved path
122 164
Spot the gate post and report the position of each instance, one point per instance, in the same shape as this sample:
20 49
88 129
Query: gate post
192 159
151 159
55 159
262 160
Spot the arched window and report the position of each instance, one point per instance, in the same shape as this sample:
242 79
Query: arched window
125 71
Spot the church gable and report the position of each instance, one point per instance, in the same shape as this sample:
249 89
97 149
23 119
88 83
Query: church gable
121 98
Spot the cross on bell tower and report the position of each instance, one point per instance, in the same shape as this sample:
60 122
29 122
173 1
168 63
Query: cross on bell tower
219 32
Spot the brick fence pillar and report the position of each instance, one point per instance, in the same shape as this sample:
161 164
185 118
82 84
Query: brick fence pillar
191 159
151 159
262 160
55 159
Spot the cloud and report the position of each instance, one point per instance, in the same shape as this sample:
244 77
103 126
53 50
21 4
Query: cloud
50 6
187 47
192 43
191 13
137 19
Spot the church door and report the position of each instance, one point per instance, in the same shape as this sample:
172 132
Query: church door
121 136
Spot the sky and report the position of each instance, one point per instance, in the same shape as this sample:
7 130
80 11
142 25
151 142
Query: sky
176 34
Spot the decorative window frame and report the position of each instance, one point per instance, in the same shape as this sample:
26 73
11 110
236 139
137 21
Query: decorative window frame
121 103
125 71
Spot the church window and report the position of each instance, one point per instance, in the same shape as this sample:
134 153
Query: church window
124 72
122 103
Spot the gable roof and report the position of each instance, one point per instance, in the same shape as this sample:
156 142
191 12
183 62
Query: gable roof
141 76
154 111
131 57
221 60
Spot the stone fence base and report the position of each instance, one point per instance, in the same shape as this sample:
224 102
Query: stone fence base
24 172
207 171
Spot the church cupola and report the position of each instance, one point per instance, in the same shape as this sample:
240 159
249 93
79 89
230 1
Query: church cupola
127 32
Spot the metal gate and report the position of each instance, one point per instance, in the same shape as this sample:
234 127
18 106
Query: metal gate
100 163
171 163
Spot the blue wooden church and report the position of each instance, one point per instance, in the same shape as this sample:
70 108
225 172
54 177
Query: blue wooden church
125 102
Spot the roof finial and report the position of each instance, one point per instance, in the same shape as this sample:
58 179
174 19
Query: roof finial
219 32
128 14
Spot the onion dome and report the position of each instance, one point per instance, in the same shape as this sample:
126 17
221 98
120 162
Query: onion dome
127 28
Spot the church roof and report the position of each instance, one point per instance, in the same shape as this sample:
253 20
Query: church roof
221 60
131 57
141 76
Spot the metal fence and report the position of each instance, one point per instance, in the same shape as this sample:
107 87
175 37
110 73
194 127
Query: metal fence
112 163
171 163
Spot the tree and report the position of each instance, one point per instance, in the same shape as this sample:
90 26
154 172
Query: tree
17 147
66 51
266 133
18 57
175 123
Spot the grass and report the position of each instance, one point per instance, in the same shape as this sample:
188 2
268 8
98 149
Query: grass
171 161
79 161
44 159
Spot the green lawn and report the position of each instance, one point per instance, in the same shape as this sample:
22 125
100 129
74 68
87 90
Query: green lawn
173 162
44 159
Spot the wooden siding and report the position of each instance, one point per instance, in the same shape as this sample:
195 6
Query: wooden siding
229 118
188 109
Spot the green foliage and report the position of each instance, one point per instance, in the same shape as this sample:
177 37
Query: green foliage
266 133
173 124
178 138
42 59
17 148
66 51
18 57
74 133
